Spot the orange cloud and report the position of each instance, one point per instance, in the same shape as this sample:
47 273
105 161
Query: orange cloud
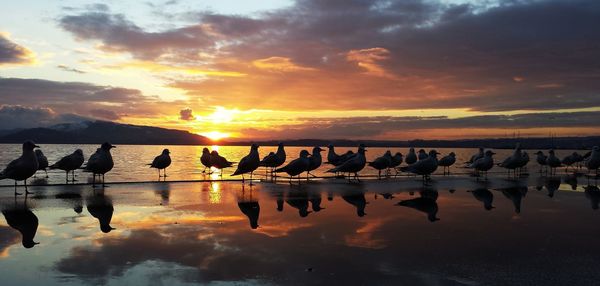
280 64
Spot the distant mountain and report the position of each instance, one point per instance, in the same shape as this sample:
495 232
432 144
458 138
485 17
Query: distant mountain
94 132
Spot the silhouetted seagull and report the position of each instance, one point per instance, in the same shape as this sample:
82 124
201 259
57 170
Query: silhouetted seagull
101 207
541 159
248 164
424 167
447 161
219 162
161 162
422 155
332 157
70 163
205 160
315 161
553 162
512 162
381 163
252 210
396 161
593 162
23 167
296 166
352 165
100 162
42 161
411 157
483 164
274 160
477 156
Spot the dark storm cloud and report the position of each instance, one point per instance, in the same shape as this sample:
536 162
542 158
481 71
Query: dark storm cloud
92 101
12 53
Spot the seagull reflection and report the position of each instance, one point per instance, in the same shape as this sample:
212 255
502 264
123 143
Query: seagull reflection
315 201
427 203
330 196
552 184
358 200
571 180
23 220
485 196
386 196
74 199
251 209
593 194
299 201
279 196
164 191
516 195
101 207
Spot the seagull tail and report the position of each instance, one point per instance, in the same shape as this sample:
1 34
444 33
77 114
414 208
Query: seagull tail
280 170
334 170
2 176
405 168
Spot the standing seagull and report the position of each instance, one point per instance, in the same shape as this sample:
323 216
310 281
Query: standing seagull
382 162
100 162
396 161
70 163
161 162
332 157
205 159
447 161
249 163
553 162
541 159
352 165
219 162
422 154
593 162
42 161
424 167
23 167
483 164
411 157
297 166
315 161
477 156
512 162
274 160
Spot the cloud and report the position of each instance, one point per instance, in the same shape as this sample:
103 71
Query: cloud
16 117
186 114
12 53
70 69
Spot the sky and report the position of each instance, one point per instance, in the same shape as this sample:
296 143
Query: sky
354 69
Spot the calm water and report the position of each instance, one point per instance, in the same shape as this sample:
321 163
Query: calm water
131 160
456 231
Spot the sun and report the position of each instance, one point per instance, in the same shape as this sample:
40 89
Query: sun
222 115
215 135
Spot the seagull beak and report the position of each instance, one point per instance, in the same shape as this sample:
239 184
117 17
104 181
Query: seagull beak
113 146
36 146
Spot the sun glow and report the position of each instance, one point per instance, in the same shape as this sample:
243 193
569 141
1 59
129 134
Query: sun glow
215 135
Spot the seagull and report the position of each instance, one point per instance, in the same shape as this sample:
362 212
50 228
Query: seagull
411 157
447 161
396 161
332 157
100 162
248 164
572 159
274 160
422 154
161 162
218 161
205 159
553 162
382 162
477 156
424 167
24 221
23 167
352 165
541 159
483 164
42 161
296 166
69 163
314 161
593 162
512 162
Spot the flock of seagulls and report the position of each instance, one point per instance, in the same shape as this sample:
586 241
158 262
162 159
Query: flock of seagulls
421 163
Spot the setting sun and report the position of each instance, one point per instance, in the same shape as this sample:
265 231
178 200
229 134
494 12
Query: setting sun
215 135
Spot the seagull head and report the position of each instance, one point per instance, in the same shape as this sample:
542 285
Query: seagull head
433 153
317 150
539 153
388 153
411 149
254 146
361 149
551 152
166 151
596 148
107 146
330 146
489 153
79 152
452 154
280 145
421 151
213 152
29 145
205 150
398 154
304 154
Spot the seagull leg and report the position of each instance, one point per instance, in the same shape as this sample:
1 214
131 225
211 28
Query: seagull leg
26 191
356 176
165 172
251 177
16 189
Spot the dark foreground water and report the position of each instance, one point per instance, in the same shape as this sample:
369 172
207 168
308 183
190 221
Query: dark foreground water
457 231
